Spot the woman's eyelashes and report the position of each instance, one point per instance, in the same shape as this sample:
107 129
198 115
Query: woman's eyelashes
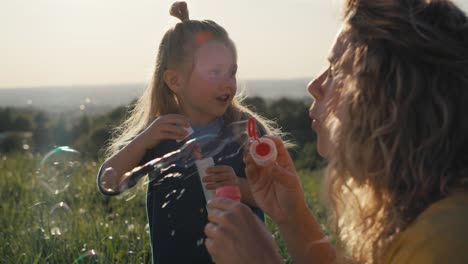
330 73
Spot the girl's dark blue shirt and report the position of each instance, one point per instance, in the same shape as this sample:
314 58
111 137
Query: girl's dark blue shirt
176 205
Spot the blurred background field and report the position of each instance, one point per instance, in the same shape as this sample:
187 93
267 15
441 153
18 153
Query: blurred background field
79 225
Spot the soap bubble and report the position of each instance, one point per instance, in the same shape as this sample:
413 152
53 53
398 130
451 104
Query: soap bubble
194 149
60 217
91 256
58 167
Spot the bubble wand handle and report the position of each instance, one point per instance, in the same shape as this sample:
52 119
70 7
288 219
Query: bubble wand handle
252 129
263 150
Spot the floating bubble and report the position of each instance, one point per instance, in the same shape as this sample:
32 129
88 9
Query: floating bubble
58 167
194 149
91 256
200 242
59 218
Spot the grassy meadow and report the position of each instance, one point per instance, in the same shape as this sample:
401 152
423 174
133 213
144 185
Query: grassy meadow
80 225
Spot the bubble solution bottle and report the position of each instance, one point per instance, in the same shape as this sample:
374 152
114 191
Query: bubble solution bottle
263 150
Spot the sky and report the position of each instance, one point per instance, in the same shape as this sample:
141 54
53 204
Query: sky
89 42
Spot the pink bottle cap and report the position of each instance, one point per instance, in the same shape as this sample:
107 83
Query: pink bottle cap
231 192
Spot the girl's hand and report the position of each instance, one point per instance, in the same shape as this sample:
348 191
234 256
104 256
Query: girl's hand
165 127
276 187
219 176
236 235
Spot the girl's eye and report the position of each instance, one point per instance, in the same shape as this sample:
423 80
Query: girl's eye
215 72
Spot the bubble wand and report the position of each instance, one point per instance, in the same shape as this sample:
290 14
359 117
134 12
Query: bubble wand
263 150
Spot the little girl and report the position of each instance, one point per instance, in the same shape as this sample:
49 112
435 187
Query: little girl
194 85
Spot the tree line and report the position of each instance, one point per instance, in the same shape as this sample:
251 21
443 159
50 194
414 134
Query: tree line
38 132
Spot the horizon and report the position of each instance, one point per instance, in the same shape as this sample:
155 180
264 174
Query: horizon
101 98
240 81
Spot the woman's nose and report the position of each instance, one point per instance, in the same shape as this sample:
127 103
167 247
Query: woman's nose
315 87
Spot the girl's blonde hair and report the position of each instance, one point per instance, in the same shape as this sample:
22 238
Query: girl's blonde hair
176 51
404 145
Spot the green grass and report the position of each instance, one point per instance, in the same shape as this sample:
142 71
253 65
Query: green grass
114 228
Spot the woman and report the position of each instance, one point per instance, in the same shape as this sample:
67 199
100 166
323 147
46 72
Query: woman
389 113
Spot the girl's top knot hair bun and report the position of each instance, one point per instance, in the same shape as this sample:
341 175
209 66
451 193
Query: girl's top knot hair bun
179 10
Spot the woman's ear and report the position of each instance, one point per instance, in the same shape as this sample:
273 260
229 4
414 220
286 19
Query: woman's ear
173 80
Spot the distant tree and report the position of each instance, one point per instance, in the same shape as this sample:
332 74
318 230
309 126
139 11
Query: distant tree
61 136
81 128
117 115
292 116
308 158
11 143
41 137
5 119
21 123
257 104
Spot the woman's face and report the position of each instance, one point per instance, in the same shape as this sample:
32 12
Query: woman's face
324 90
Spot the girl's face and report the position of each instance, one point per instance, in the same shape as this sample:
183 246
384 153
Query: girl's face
324 90
212 84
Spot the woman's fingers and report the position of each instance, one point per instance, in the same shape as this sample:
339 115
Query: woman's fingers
283 157
224 212
236 235
221 203
209 244
278 171
211 230
251 169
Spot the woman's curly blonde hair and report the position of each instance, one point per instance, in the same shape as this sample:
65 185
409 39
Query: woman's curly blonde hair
404 144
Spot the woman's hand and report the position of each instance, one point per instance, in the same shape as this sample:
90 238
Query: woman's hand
276 187
236 235
219 176
169 126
